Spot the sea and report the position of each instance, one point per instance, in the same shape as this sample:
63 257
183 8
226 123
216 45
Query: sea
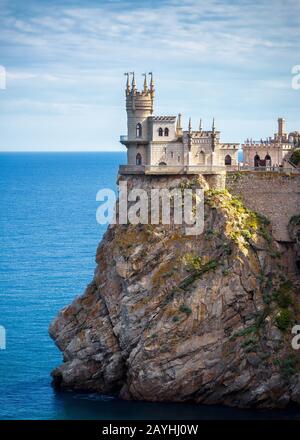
48 240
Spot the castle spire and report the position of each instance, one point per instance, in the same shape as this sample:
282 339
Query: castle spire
151 83
178 123
133 84
213 135
151 90
127 90
200 125
190 125
145 82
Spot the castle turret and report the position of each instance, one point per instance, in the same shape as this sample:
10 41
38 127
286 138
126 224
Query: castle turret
139 106
281 128
178 125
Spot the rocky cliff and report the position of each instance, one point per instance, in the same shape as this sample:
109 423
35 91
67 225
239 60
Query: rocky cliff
171 317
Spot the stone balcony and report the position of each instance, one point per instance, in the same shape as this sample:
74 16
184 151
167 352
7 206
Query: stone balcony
199 169
123 139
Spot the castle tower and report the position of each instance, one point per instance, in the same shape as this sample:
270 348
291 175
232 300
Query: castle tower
281 128
139 106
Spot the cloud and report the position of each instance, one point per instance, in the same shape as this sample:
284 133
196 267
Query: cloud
226 31
69 56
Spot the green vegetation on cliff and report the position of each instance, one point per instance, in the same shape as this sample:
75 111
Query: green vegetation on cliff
295 157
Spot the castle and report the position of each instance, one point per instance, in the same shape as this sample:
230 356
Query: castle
160 144
274 151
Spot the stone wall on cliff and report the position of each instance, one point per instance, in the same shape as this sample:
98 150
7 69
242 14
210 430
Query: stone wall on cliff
275 195
171 317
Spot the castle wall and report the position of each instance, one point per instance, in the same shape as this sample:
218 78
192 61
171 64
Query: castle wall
277 196
163 124
132 151
277 153
262 151
170 153
132 120
221 153
200 154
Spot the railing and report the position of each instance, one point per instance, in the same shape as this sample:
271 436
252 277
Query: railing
131 169
200 169
270 168
123 138
183 169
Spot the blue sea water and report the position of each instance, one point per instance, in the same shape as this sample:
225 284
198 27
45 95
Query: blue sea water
49 236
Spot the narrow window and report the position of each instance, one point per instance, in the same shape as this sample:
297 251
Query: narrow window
138 130
160 131
178 158
228 159
138 159
166 131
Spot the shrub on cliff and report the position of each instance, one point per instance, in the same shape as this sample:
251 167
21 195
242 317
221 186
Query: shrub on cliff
283 319
295 157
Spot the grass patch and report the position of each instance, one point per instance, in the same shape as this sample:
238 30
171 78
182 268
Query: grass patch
185 309
295 157
244 332
287 365
283 319
250 345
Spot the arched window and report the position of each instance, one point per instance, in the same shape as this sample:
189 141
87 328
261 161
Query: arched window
228 159
160 131
138 159
162 164
268 160
166 131
138 130
202 158
178 158
256 160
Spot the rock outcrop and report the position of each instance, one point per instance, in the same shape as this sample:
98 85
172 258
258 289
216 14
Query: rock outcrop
171 317
294 231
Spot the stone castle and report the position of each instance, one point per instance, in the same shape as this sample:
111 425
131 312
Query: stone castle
273 151
159 145
160 141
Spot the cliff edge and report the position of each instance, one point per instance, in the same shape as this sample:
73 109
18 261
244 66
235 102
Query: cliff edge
171 317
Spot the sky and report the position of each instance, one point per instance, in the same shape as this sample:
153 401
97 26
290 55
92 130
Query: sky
65 64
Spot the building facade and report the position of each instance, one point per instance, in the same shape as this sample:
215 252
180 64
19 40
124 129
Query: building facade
160 141
272 152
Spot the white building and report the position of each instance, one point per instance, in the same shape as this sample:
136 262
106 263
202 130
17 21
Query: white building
160 141
273 151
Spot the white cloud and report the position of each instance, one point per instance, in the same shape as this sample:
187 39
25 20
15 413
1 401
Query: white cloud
214 54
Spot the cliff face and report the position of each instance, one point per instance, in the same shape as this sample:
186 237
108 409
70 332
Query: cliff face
171 317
